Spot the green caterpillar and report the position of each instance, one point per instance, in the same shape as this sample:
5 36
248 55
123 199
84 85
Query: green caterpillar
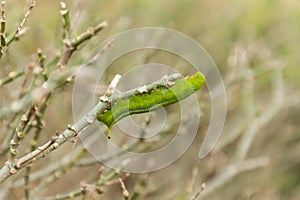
151 100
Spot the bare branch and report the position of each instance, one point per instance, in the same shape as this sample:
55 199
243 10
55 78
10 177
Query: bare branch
265 117
74 43
12 167
227 174
21 30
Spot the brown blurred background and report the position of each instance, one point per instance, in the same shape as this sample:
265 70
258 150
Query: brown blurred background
253 43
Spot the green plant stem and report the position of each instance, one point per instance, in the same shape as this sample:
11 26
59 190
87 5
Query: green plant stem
41 60
74 43
66 21
11 77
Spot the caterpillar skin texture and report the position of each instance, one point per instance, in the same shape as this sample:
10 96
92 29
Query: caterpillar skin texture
154 99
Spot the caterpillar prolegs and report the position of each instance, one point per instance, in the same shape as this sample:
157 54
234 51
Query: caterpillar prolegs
151 100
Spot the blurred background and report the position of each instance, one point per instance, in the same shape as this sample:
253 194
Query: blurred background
255 45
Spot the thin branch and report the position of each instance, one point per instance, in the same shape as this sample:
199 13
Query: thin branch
39 115
78 192
12 167
140 188
58 173
113 85
73 44
16 120
192 179
20 30
227 174
273 108
125 192
25 86
19 132
3 27
58 79
109 44
41 60
64 12
4 148
248 107
201 189
26 183
11 77
79 163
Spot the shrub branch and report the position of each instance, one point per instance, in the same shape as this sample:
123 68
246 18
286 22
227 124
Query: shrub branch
11 167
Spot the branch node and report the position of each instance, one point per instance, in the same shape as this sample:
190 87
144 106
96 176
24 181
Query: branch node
55 145
72 128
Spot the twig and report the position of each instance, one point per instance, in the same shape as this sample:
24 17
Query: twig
75 193
192 179
26 86
79 163
6 143
233 170
20 30
54 167
109 44
84 190
74 43
249 110
134 195
265 117
11 77
58 173
140 188
55 59
125 192
12 167
202 188
4 148
66 20
41 60
57 80
3 24
39 114
78 192
112 86
19 132
26 183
